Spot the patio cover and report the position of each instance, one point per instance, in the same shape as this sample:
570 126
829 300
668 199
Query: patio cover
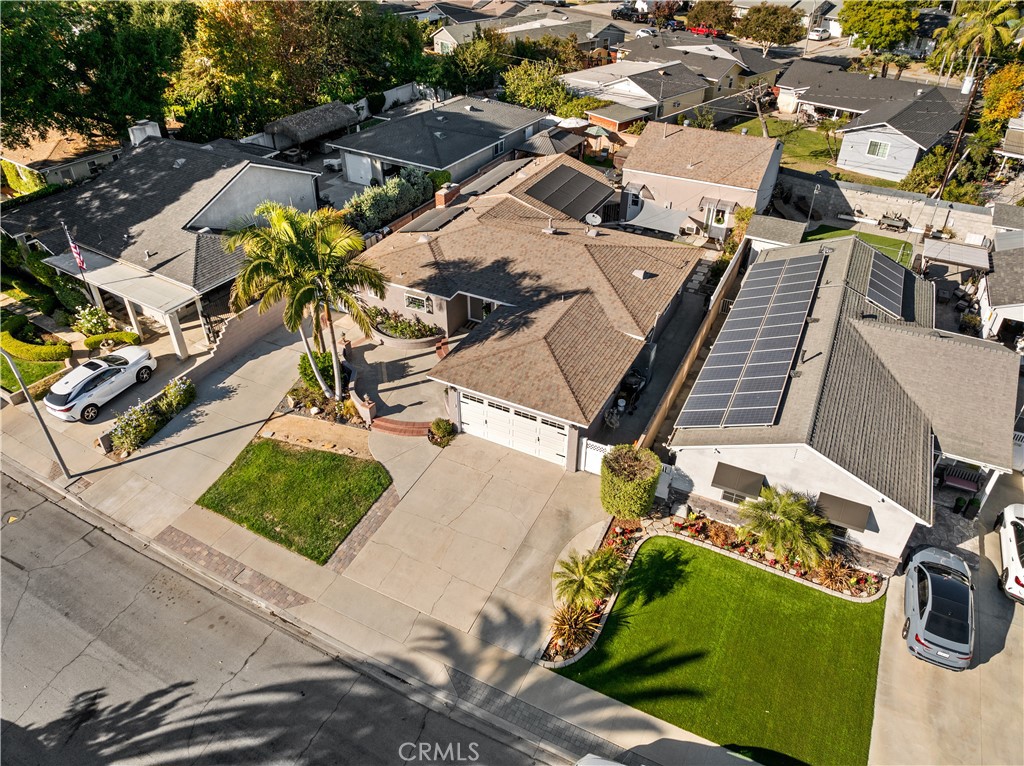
314 123
738 480
957 254
658 218
126 281
717 204
844 513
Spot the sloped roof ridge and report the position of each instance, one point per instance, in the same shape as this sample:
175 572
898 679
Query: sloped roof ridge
577 303
614 290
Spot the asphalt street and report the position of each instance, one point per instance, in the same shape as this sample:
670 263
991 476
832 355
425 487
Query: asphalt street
108 656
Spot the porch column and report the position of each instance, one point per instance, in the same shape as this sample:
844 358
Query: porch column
94 291
132 316
177 339
989 486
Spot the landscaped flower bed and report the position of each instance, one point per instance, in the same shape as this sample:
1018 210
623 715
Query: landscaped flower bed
136 425
392 324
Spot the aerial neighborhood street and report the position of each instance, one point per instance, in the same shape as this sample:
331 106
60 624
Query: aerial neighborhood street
508 382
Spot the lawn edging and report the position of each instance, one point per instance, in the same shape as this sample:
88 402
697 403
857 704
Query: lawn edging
650 535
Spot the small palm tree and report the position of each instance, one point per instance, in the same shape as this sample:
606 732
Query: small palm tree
787 523
572 626
582 579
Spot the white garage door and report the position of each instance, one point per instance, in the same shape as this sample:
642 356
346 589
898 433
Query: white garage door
523 431
358 169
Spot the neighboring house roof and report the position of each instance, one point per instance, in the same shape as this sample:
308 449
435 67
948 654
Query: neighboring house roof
314 123
56 150
873 389
461 13
1007 216
1006 282
930 21
777 230
618 113
803 74
852 92
710 156
635 84
532 26
150 196
706 57
251 150
577 307
925 120
1013 141
438 138
551 141
668 81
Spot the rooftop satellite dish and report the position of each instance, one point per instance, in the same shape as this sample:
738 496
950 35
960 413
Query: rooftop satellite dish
593 219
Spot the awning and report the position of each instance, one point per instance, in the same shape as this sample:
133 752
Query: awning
738 480
717 204
843 512
956 254
657 218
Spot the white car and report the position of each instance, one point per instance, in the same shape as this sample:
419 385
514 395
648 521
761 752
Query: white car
819 33
646 32
1010 526
80 394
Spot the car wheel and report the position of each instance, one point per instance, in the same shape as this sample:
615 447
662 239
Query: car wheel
1004 578
90 412
144 374
906 628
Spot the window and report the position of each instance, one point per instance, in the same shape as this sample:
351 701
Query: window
878 149
501 407
634 200
922 590
93 167
499 147
445 47
469 398
419 303
550 424
1018 536
733 497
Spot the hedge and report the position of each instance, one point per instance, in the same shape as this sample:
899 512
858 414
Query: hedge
43 296
93 342
439 178
46 191
13 323
629 479
33 352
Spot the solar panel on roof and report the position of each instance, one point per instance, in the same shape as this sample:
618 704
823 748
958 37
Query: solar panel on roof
570 191
745 375
888 283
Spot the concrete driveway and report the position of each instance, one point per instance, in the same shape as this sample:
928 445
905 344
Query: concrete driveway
475 539
927 715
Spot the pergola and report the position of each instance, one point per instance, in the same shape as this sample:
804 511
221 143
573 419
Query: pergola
135 286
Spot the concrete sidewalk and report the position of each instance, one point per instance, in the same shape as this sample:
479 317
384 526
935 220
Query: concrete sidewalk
151 496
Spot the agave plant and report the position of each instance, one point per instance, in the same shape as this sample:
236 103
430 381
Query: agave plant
787 522
573 625
833 572
582 579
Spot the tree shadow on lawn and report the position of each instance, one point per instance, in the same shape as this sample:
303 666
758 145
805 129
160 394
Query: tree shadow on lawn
656 575
765 756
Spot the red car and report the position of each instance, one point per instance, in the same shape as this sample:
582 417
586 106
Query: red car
703 30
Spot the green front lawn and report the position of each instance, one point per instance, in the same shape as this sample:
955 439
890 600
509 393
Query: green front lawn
304 499
743 657
900 251
30 372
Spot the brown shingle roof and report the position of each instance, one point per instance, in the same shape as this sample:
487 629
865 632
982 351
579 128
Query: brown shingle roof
702 155
57 149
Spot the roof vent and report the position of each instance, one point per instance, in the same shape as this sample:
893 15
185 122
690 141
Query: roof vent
550 229
440 135
920 91
865 315
179 162
795 373
662 72
424 239
593 233
470 108
442 118
206 230
641 274
146 256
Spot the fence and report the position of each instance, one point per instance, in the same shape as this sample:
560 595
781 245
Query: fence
590 455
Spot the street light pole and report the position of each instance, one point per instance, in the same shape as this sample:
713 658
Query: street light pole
817 190
35 411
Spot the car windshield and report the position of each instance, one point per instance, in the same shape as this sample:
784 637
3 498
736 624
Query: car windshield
114 360
1018 536
57 399
949 616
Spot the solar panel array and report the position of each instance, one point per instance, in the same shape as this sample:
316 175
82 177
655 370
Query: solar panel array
570 191
743 379
886 284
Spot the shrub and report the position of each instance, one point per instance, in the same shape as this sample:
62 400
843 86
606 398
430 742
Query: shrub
573 626
13 323
10 253
176 396
46 191
68 293
380 205
123 338
33 352
439 178
376 102
629 479
970 324
578 107
91 320
443 431
324 363
722 535
349 411
398 326
584 579
133 427
42 297
833 572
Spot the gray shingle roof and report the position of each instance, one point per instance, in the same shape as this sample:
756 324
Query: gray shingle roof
315 123
925 120
672 80
618 113
665 47
1007 216
777 230
551 141
1006 282
803 74
249 150
852 92
440 137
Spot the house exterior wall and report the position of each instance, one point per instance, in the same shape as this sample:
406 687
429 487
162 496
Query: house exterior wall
444 42
255 184
73 171
685 194
768 181
800 468
902 153
788 100
676 104
395 300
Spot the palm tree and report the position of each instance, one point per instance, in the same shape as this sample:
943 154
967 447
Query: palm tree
984 27
307 260
787 523
582 579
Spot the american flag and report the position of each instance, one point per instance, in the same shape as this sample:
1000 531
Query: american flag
75 251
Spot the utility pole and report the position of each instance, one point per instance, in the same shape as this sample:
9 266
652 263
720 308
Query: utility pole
979 73
35 411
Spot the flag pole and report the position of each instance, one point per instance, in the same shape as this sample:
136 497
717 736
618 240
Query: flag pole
79 261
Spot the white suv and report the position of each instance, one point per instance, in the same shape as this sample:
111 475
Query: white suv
819 33
1010 526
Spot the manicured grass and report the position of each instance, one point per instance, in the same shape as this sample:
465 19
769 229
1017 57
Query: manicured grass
900 251
806 150
743 657
304 499
30 372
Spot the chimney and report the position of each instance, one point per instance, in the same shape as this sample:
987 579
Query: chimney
444 196
142 130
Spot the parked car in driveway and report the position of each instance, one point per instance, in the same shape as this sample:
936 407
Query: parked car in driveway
704 30
628 13
1010 526
647 32
819 33
939 607
80 394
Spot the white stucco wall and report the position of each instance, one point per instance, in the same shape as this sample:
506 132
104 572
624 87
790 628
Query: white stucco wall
685 194
804 470
256 184
903 153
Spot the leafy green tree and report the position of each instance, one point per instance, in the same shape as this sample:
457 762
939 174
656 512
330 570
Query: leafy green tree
788 524
535 84
663 11
926 175
984 29
831 128
878 24
1003 95
21 179
474 65
717 14
309 261
771 25
564 51
578 107
583 579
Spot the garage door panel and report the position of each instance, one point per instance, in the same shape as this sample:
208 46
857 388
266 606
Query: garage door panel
520 430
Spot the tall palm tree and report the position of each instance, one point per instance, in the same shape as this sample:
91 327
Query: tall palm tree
582 579
983 28
787 523
307 260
